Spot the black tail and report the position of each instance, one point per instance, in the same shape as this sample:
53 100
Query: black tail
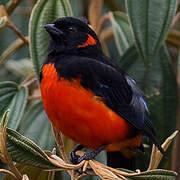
117 160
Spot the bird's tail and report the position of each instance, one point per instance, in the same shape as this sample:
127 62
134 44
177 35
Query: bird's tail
117 160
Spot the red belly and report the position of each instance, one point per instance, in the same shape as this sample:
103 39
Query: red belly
78 113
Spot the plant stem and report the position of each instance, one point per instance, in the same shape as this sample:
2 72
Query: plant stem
10 6
60 143
175 20
13 27
94 13
8 172
101 23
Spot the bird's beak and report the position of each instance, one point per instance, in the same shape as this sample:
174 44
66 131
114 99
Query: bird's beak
52 30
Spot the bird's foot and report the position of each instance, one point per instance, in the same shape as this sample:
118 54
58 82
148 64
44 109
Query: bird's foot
75 159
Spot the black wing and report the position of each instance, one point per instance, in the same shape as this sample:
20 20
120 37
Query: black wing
117 89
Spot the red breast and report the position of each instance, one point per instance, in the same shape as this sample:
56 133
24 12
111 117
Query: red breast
78 113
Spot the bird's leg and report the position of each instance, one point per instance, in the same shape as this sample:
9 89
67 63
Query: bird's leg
91 155
73 157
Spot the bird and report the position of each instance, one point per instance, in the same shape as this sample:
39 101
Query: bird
89 98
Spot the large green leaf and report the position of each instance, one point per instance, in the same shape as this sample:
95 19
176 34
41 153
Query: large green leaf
36 126
45 11
150 22
7 91
129 57
17 107
24 151
122 31
159 84
163 106
149 79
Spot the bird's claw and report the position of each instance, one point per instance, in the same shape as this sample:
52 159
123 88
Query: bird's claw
74 159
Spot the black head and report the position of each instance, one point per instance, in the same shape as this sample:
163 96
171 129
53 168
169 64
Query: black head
72 35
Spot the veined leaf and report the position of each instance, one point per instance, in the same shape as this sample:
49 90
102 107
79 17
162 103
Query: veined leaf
129 57
150 22
24 151
7 91
36 126
122 31
17 107
4 118
150 80
164 115
159 84
45 11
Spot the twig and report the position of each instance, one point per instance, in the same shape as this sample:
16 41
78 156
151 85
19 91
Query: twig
101 23
156 155
176 18
13 27
4 13
8 172
10 6
94 13
60 143
28 81
106 34
34 97
12 48
85 166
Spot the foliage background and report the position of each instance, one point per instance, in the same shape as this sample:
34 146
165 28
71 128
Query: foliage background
154 75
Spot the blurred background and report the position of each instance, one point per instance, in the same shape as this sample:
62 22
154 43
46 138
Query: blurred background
161 86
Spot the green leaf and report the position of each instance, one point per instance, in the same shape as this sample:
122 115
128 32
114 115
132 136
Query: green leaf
164 115
149 79
7 91
17 107
36 126
129 57
4 118
122 31
158 174
159 84
45 11
24 151
150 22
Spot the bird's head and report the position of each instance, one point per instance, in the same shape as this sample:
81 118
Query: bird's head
72 35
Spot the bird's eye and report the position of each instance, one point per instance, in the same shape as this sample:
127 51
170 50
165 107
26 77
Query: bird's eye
72 29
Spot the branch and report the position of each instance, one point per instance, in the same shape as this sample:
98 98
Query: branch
8 172
10 6
13 27
101 23
175 19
